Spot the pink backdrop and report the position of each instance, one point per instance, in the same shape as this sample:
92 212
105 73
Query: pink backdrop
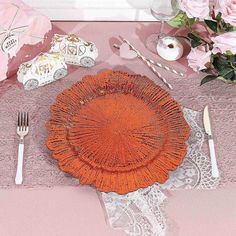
67 211
77 211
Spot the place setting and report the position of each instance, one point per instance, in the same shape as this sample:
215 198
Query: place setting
123 134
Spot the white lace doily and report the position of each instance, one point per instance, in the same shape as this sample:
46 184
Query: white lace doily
140 213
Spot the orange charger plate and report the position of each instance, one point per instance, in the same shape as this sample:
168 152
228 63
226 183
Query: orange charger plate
117 132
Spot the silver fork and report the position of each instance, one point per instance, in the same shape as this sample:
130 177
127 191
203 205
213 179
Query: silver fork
22 131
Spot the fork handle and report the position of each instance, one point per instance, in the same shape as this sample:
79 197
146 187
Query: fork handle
19 175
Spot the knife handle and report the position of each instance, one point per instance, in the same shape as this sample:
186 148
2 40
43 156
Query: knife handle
214 168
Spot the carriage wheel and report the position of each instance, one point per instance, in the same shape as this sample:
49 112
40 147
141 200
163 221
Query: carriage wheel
87 61
31 84
59 74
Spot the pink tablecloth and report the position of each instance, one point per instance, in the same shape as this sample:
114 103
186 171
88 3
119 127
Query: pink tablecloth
77 211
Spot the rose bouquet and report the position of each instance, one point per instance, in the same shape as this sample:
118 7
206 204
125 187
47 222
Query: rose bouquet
211 30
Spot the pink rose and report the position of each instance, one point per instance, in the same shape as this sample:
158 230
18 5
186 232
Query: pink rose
224 42
228 10
198 57
195 8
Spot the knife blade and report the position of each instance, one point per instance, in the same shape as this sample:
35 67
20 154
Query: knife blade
207 126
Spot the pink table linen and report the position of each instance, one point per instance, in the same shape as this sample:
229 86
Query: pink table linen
222 101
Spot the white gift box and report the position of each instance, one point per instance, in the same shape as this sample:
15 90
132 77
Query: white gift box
75 50
43 69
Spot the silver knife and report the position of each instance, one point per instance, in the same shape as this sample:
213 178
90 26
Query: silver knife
207 126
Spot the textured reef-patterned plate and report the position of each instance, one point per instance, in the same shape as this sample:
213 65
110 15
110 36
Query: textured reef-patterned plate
117 132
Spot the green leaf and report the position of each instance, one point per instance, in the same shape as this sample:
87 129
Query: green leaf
193 37
208 78
212 25
229 53
194 40
218 17
231 58
194 44
230 29
233 28
179 21
222 79
191 21
227 73
227 26
225 80
220 63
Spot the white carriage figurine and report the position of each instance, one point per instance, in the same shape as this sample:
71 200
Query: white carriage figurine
75 50
42 70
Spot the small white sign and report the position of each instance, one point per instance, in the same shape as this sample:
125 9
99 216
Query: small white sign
10 43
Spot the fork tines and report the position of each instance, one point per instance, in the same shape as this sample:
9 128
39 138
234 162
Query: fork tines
23 120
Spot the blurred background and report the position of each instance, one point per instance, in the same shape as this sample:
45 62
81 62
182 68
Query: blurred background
94 10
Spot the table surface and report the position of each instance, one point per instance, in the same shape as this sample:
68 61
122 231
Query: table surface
61 211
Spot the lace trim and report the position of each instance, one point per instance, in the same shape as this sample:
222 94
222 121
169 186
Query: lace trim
137 213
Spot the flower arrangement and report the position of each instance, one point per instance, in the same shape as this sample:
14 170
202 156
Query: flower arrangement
211 28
